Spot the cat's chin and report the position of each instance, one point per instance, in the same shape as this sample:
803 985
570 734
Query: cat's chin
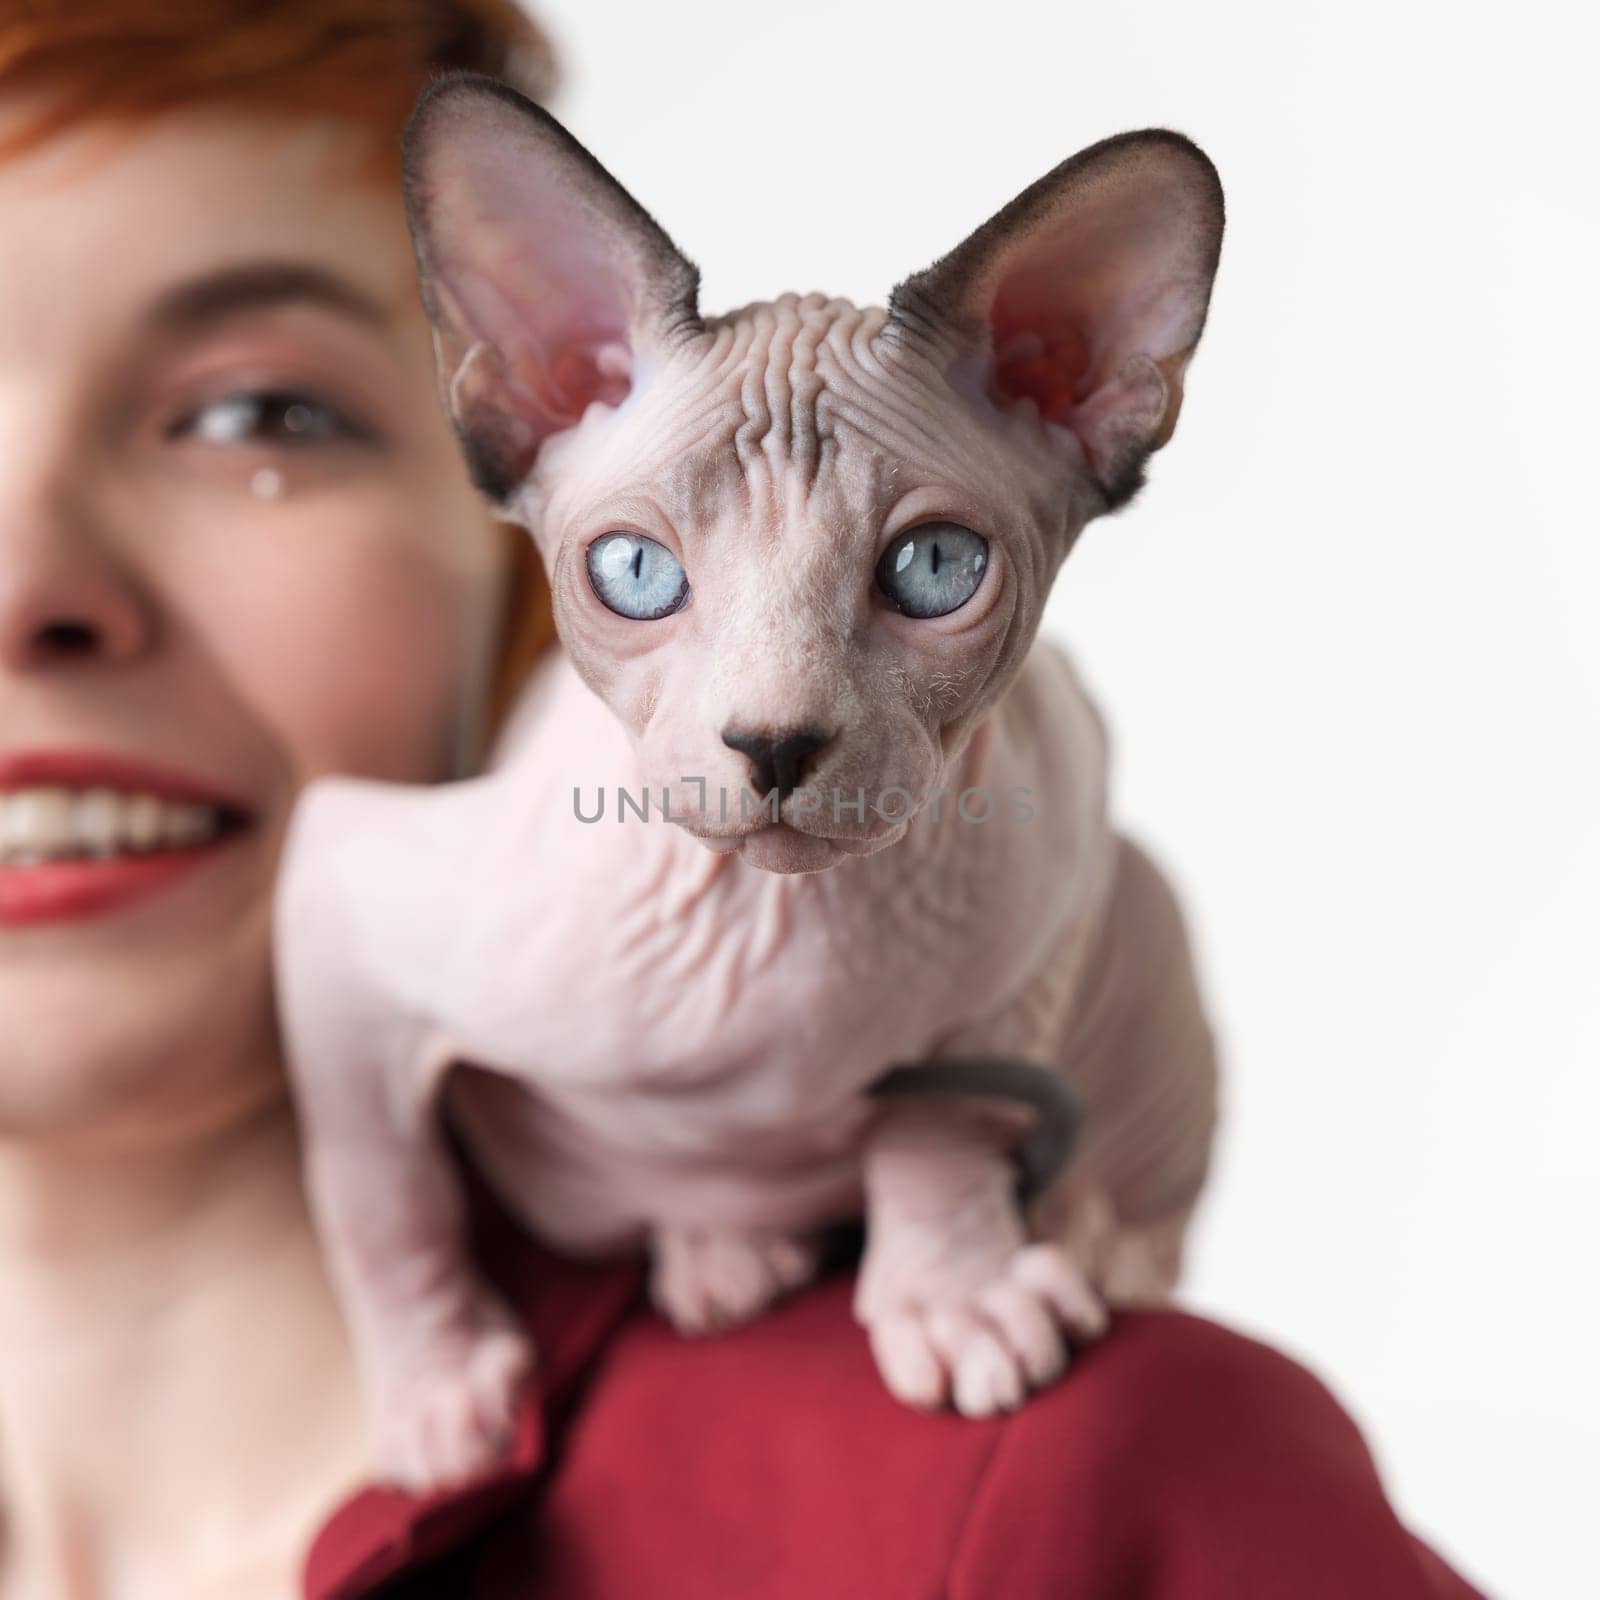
784 848
781 848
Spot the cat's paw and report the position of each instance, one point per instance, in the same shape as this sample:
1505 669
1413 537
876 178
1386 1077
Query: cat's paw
984 1346
444 1411
705 1279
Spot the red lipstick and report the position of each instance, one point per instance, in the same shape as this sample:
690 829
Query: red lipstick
50 891
105 769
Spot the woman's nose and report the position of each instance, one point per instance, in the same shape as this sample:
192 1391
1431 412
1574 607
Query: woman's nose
65 596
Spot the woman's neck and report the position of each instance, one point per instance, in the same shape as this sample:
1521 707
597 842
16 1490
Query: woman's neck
178 1405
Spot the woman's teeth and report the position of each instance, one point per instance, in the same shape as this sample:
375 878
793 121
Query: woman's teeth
53 824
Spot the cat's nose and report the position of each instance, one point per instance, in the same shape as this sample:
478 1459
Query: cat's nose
777 760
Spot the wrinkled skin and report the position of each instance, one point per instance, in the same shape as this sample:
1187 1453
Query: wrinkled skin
807 460
658 1032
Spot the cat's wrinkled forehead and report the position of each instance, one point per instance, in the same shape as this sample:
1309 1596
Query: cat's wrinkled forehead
763 405
785 415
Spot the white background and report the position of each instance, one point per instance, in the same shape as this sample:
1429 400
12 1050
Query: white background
1346 638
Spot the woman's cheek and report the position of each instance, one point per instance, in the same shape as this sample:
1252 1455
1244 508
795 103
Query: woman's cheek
354 632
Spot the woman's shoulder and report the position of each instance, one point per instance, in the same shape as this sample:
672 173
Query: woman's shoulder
1176 1460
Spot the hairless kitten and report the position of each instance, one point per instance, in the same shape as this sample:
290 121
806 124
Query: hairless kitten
798 554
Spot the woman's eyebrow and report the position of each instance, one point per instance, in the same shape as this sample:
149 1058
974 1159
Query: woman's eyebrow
201 302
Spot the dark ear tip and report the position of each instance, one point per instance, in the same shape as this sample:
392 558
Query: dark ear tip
919 303
461 85
457 88
1169 143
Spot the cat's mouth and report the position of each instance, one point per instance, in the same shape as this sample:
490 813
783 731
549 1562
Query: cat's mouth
799 836
782 847
779 847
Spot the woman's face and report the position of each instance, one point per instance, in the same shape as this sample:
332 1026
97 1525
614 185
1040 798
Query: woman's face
237 550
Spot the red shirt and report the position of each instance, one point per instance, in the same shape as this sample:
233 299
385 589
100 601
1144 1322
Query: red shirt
1175 1461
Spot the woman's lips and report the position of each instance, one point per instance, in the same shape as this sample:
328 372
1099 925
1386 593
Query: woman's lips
87 885
51 891
108 769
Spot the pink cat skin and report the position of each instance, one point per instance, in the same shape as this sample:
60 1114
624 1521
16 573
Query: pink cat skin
798 551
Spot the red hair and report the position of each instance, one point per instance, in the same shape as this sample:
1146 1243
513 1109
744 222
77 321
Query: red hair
126 60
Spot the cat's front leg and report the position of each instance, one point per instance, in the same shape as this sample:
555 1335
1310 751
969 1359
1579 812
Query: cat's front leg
960 1306
439 1354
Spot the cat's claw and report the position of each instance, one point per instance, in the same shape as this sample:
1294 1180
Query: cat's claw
447 1414
705 1279
984 1349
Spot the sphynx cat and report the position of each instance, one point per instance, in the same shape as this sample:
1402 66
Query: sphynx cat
798 555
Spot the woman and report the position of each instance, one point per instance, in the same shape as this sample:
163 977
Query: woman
238 550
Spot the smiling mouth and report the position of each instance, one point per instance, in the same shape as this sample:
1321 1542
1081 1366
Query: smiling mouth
68 854
46 823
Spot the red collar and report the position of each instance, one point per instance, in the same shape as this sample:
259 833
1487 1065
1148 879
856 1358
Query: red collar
570 1308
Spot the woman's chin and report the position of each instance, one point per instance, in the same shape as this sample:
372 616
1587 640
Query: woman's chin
110 1043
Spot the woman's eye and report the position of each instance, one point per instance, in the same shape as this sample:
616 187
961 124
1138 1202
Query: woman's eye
637 577
272 417
933 570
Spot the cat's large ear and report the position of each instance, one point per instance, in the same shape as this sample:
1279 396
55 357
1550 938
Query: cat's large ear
546 282
1086 294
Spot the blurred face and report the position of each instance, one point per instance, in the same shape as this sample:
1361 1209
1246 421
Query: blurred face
237 550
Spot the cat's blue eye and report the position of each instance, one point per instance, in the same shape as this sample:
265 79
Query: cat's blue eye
933 570
637 577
